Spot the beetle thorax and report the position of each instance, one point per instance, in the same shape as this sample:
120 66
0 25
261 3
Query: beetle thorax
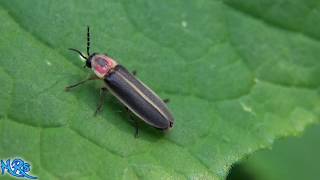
102 65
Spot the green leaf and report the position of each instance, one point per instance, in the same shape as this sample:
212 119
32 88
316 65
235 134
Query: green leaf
292 158
238 76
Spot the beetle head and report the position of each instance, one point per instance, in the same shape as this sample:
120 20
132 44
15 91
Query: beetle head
100 64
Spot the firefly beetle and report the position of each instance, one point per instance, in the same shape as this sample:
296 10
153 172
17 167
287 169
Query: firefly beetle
130 91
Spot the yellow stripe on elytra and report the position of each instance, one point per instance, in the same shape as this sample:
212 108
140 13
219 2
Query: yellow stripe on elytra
141 94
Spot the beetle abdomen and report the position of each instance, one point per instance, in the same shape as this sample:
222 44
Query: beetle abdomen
140 99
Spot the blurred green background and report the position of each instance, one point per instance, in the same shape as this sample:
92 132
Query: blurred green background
242 77
290 158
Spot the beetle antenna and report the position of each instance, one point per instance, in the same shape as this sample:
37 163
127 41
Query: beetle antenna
88 41
80 53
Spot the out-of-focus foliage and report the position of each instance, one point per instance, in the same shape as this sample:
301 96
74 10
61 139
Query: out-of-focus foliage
290 159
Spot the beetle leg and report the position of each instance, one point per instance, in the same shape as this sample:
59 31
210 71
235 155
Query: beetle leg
134 72
101 103
136 134
81 82
166 100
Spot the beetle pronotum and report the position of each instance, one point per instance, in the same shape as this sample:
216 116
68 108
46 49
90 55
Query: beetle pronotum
130 91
